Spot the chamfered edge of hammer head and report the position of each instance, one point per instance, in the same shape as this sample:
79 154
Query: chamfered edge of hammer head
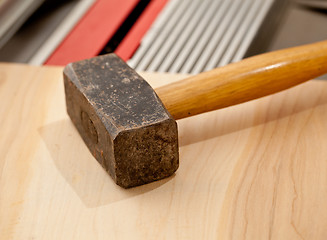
121 120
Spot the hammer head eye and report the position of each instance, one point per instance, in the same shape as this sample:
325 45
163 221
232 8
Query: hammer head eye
121 120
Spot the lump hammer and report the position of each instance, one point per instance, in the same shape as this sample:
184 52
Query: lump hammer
131 129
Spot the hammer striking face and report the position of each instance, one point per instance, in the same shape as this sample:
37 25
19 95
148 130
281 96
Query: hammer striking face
121 120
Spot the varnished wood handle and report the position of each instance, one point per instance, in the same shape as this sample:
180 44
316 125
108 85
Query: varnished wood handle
248 79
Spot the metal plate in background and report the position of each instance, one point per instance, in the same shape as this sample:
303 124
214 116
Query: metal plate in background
13 13
39 36
195 36
190 35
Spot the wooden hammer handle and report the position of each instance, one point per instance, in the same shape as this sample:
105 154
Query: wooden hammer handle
248 79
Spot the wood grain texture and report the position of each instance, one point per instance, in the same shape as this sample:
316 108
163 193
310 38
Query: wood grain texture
253 171
246 80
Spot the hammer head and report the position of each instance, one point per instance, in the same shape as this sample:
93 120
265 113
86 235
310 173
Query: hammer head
121 120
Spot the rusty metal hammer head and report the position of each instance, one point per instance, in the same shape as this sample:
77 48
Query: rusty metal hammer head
121 119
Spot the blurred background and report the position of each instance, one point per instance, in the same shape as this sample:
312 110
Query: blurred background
177 36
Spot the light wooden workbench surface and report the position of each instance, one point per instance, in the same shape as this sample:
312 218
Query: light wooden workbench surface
253 171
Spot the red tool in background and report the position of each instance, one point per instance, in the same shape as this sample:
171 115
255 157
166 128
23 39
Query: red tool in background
100 24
